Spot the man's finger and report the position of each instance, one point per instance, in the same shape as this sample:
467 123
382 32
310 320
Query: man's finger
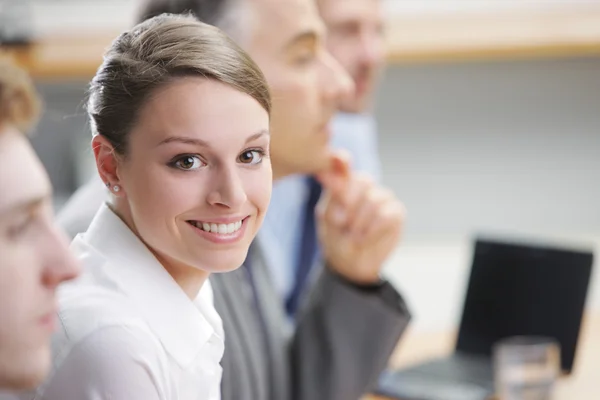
366 213
331 212
389 221
341 162
338 173
322 204
355 194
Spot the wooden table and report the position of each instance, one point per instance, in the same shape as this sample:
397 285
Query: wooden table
583 384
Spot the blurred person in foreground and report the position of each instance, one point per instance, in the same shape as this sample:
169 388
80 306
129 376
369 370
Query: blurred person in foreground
34 257
344 332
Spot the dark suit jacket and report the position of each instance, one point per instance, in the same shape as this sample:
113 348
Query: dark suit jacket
343 338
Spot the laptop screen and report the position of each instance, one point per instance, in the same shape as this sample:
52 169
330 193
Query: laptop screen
524 290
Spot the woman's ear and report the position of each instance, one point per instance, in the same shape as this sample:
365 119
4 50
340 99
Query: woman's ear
107 163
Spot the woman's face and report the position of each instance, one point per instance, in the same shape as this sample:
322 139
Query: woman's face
196 181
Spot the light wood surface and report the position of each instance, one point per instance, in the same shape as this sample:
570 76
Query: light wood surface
412 37
583 384
537 32
61 58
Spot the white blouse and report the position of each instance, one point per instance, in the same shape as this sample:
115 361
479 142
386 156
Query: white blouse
127 331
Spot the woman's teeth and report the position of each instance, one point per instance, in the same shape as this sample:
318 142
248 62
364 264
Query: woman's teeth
222 229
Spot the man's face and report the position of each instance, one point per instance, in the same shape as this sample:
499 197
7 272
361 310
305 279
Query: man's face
355 39
307 84
34 260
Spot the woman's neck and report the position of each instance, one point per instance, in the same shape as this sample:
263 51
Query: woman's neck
189 279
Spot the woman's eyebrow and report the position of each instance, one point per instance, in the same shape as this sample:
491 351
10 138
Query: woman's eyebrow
203 143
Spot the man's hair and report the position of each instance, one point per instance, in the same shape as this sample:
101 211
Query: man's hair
213 12
19 102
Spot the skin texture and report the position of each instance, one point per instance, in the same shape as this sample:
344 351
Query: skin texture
355 39
35 259
198 152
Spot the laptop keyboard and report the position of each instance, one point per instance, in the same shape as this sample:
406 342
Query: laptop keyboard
413 386
453 378
459 369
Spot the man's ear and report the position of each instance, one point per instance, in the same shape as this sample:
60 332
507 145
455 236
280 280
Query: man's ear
107 163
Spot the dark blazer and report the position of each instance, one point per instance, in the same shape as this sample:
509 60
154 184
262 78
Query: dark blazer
343 338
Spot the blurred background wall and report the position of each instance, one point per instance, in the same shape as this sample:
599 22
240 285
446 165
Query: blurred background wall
508 147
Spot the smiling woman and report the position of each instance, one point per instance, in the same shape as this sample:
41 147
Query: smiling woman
188 165
180 117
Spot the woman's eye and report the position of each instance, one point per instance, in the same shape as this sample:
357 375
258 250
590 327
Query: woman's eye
188 163
251 157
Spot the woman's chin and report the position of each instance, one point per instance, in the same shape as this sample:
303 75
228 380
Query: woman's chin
224 264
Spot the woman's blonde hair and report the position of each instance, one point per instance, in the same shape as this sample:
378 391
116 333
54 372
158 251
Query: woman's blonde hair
154 53
19 102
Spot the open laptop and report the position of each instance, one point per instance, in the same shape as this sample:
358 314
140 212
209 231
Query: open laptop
513 289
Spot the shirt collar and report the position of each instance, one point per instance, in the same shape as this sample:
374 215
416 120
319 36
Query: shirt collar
182 326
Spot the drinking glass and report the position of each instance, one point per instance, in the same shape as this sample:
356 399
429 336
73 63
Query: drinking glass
526 368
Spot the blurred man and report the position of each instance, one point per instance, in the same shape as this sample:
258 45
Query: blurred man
355 39
352 319
34 257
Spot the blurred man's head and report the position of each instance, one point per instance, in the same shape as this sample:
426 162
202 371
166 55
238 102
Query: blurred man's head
34 257
286 39
355 39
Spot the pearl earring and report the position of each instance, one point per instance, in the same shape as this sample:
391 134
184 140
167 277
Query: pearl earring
116 188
